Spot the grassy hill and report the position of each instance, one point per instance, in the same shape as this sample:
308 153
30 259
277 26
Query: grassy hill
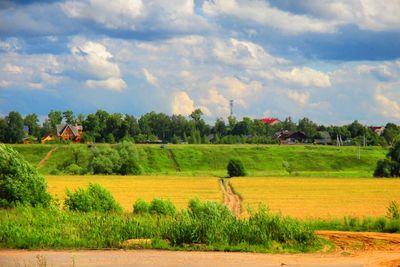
259 160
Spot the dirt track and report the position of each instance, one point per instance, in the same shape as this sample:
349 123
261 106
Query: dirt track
231 200
145 258
48 155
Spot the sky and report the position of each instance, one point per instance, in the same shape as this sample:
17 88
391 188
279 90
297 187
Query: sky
333 61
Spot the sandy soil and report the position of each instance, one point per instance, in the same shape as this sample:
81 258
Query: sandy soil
144 258
231 200
352 249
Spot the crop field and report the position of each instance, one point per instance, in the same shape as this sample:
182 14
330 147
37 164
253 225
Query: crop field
126 189
319 197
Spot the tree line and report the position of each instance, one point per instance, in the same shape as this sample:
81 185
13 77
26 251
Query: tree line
104 127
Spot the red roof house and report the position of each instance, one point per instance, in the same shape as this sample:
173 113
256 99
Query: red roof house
270 121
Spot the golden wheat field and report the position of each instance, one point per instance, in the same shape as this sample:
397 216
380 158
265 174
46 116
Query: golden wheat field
126 189
319 197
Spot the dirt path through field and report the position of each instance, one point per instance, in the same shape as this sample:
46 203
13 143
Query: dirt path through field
231 200
172 158
48 155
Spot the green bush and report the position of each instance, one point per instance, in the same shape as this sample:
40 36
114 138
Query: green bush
105 161
235 168
94 198
141 207
162 207
74 169
19 181
129 159
389 167
383 168
393 210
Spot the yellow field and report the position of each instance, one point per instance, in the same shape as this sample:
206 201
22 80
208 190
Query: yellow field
126 189
320 197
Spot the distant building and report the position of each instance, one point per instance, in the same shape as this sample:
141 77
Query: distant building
377 129
291 138
270 121
69 132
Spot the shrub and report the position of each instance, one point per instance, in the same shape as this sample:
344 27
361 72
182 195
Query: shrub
94 198
393 210
389 167
105 161
162 207
129 159
19 181
235 168
383 168
141 207
74 169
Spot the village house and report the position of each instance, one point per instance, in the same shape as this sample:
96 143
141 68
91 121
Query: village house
291 138
377 129
270 121
66 132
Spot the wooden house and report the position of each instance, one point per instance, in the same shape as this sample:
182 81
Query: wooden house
69 132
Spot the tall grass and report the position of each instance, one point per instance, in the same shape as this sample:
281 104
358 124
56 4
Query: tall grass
205 225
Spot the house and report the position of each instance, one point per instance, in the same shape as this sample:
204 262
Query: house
324 138
270 121
69 132
47 138
377 129
291 138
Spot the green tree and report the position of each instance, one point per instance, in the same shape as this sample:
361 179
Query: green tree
69 117
32 121
15 128
55 117
308 127
235 168
19 181
3 129
391 132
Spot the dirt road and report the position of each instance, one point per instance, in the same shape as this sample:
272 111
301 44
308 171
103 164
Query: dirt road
145 258
231 200
48 155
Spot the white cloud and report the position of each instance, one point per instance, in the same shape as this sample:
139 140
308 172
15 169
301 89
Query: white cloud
298 97
150 78
262 13
182 104
304 76
387 107
235 52
95 59
114 84
112 14
12 68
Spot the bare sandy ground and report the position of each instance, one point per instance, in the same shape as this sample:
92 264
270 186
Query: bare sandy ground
231 200
145 258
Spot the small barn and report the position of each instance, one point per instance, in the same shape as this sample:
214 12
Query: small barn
291 138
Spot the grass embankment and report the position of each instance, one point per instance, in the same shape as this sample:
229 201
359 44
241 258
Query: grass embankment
319 197
127 189
259 160
207 226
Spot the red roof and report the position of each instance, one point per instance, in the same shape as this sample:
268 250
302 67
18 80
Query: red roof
269 120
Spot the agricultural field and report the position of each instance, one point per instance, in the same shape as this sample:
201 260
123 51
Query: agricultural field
325 198
127 189
211 160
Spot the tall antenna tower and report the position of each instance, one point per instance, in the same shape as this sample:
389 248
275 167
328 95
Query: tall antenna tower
231 106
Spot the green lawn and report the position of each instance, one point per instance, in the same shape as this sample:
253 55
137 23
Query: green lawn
211 160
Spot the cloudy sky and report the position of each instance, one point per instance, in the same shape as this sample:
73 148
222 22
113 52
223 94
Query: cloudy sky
332 61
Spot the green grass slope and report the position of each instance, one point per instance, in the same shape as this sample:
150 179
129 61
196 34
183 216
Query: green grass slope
259 160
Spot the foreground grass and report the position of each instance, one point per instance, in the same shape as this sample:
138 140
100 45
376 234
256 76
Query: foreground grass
212 227
211 160
319 197
126 189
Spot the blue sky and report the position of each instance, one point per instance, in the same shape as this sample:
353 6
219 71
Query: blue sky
332 61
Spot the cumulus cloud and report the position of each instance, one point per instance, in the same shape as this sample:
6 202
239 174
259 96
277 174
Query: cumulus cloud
262 13
150 78
249 54
387 107
304 76
115 84
182 104
298 97
12 68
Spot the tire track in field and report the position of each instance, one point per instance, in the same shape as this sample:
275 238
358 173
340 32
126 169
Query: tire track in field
48 155
231 200
172 158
